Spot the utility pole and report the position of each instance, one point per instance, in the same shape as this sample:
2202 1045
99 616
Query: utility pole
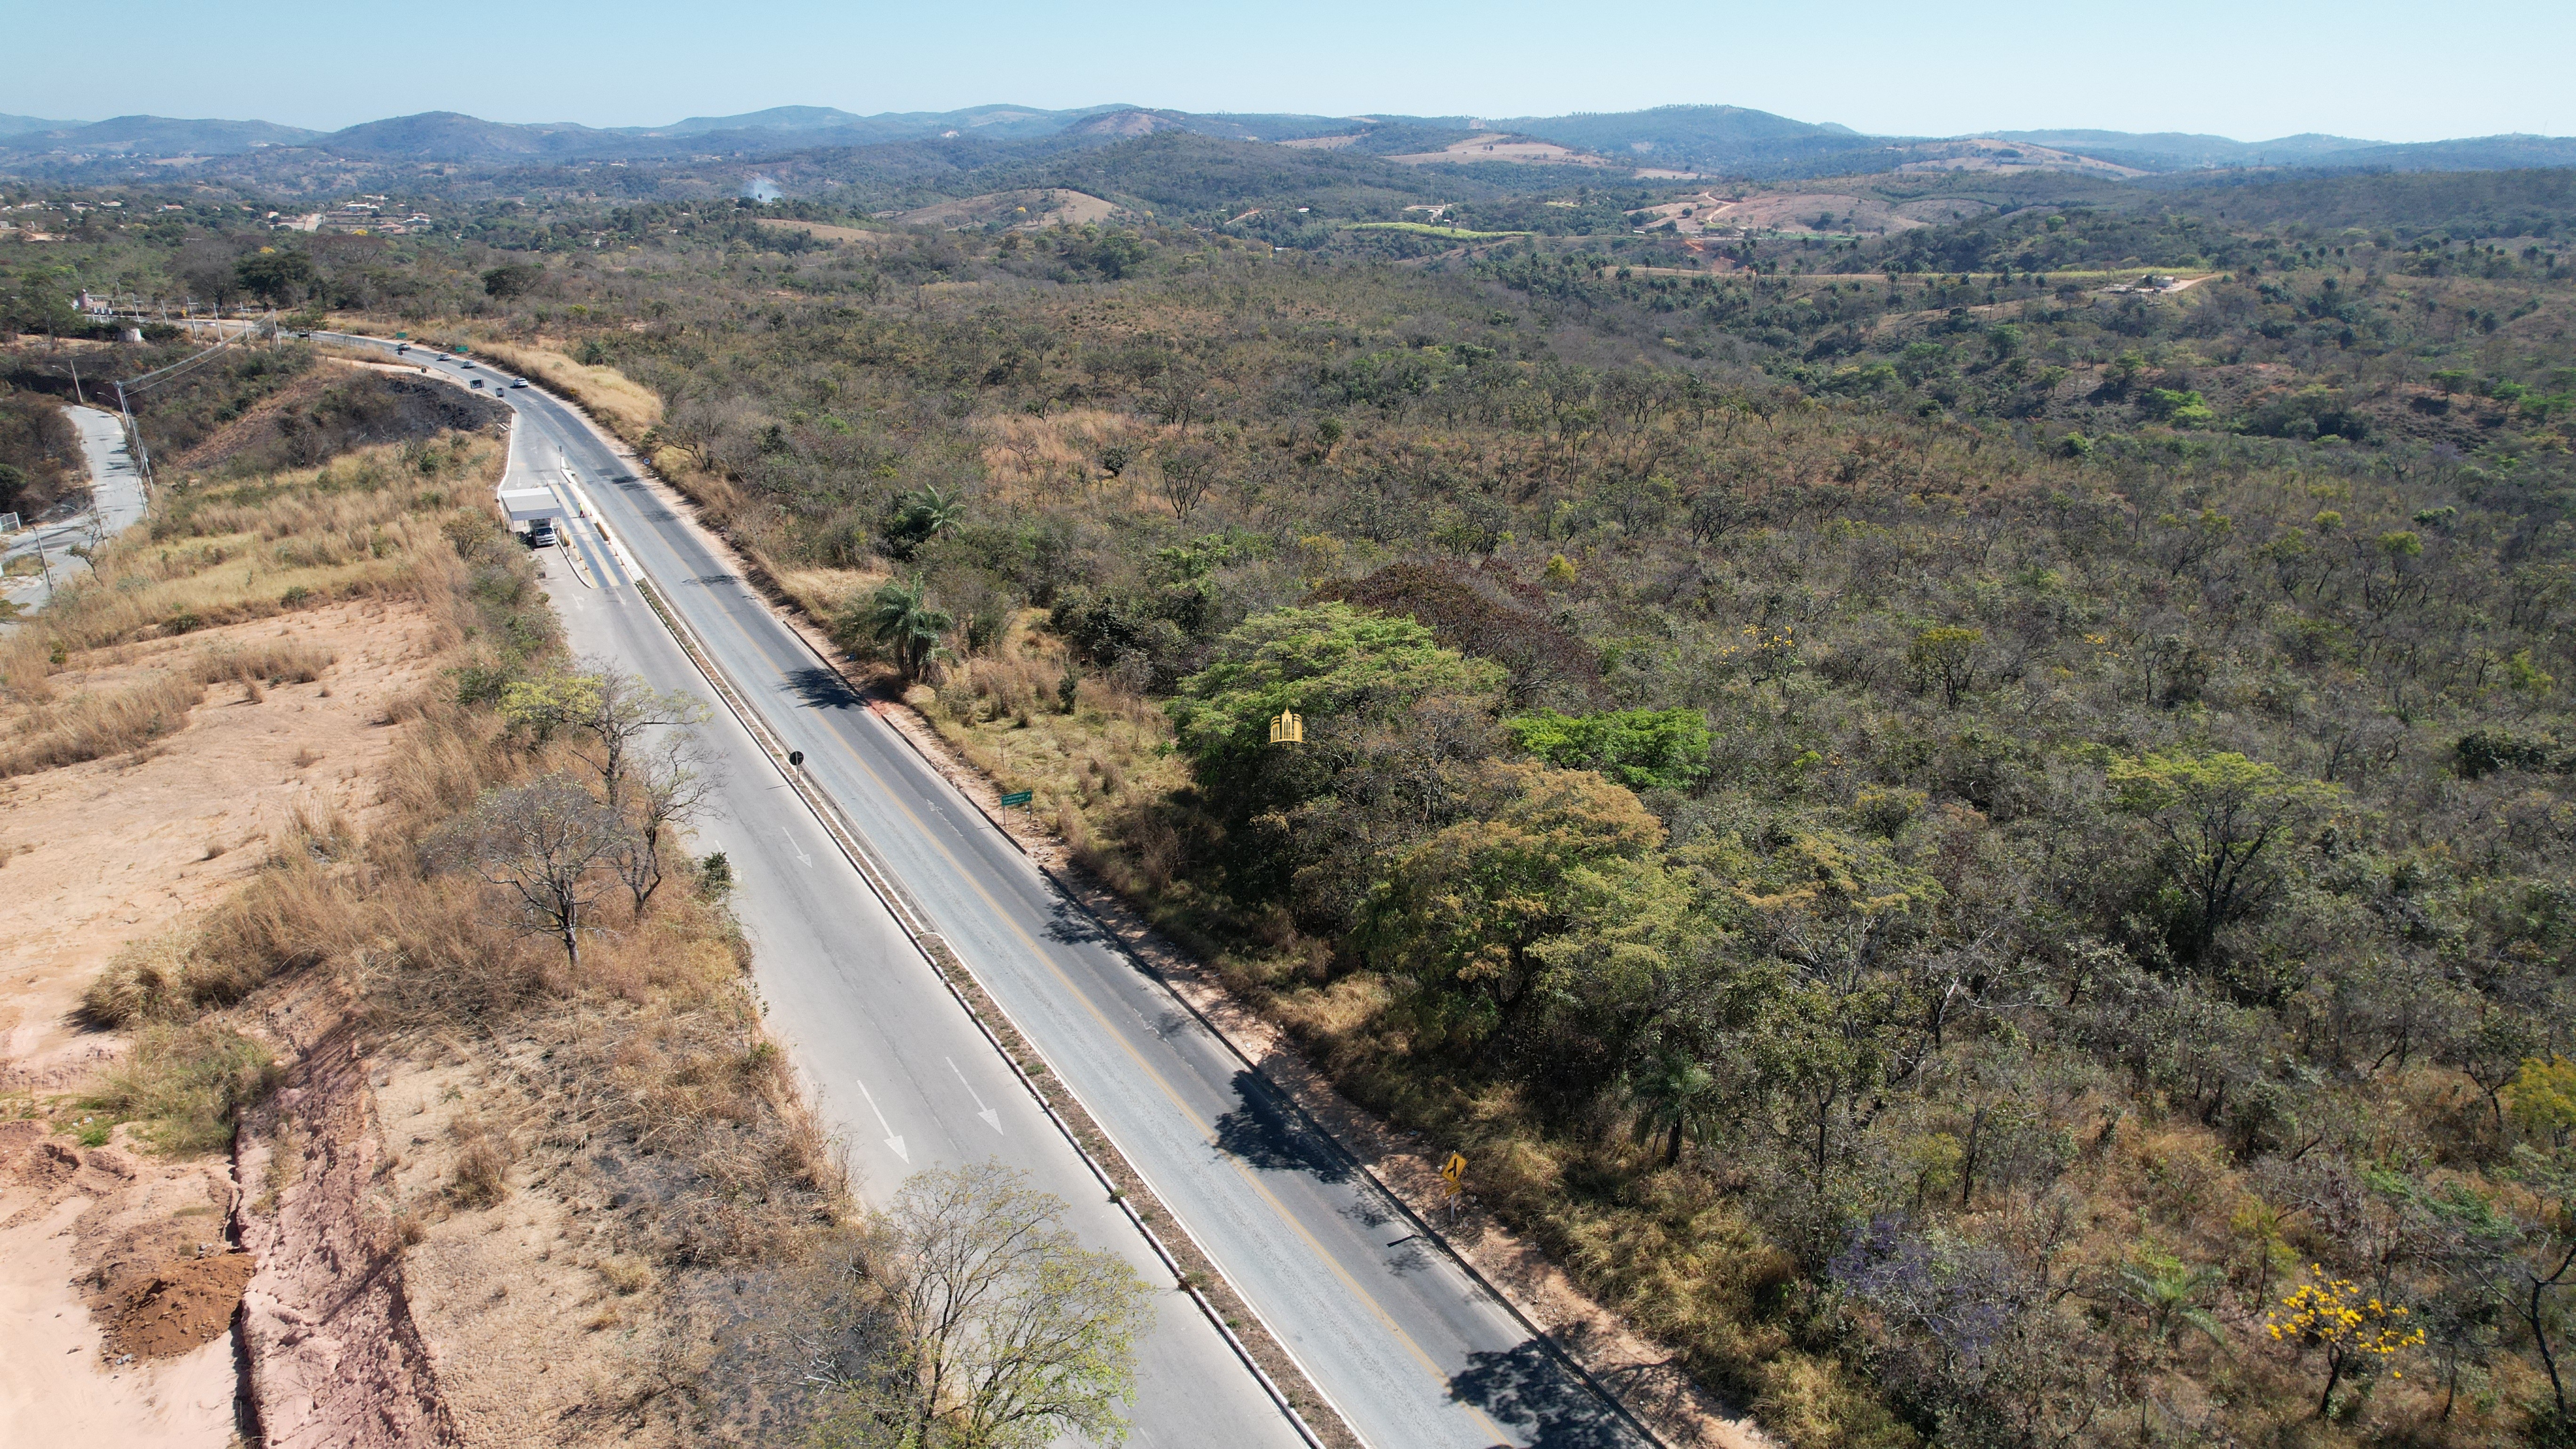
134 443
76 387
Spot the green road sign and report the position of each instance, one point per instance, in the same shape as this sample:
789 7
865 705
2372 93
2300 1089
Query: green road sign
1017 797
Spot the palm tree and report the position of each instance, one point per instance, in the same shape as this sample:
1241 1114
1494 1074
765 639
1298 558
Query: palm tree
923 516
1673 1096
2168 1290
902 620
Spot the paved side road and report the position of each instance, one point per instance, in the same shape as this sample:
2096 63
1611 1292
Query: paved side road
116 504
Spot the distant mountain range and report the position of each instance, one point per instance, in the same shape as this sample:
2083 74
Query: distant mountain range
1728 140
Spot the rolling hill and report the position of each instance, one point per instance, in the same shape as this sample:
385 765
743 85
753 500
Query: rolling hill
152 136
1718 140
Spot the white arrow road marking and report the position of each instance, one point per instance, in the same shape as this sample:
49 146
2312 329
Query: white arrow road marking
991 1118
792 845
892 1140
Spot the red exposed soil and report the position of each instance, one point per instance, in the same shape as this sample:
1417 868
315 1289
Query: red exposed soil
188 1302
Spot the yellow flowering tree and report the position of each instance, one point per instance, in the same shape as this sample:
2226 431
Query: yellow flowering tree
2331 1315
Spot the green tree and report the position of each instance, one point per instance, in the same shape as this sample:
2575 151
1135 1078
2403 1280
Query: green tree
1945 657
899 617
43 301
2224 820
2168 1293
1548 881
921 517
276 277
2182 408
1674 1097
1643 749
2541 1101
1828 1035
1334 664
512 280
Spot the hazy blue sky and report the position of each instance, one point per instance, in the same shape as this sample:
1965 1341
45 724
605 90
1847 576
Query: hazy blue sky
2249 70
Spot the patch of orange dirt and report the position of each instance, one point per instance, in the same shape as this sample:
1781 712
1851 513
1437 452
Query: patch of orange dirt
187 1302
130 1368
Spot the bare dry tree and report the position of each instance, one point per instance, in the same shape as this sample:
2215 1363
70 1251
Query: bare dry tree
1184 480
542 842
673 780
1007 1332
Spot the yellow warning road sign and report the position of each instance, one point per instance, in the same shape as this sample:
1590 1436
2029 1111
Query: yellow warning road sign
1455 1170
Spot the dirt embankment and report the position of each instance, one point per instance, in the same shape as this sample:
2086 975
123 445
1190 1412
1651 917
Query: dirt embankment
334 1355
153 768
118 1278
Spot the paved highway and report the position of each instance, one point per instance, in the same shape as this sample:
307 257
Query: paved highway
897 1068
1411 1350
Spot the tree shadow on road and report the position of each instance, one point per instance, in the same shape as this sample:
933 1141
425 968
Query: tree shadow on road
1528 1389
1261 1132
1071 925
820 688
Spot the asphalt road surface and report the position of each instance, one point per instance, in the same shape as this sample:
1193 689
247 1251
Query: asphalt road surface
1408 1347
900 1073
116 504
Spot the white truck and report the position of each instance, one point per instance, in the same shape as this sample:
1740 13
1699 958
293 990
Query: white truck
533 513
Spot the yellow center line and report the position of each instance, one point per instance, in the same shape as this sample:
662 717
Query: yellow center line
1188 1113
1207 1129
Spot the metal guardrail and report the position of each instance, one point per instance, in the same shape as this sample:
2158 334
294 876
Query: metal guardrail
1282 1097
945 964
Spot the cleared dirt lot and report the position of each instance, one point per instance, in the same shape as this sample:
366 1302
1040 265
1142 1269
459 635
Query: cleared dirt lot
116 1290
1018 209
1498 147
822 232
1822 213
113 850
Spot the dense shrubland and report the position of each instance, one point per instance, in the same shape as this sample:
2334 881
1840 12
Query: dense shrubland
1944 897
1985 857
39 453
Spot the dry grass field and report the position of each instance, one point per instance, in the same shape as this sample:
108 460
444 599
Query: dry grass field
624 408
225 760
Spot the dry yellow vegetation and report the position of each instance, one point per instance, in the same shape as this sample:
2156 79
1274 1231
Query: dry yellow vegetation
243 895
369 525
1090 767
823 593
626 407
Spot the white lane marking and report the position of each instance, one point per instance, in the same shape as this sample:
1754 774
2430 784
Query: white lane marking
598 521
792 845
892 1140
991 1118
